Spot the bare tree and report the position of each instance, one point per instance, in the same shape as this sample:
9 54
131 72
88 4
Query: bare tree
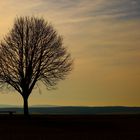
32 51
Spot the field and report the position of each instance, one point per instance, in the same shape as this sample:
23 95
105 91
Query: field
70 127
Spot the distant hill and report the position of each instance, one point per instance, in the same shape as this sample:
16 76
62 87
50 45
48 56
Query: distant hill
75 110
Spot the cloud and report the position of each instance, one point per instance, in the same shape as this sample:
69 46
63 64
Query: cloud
118 9
90 28
103 37
103 9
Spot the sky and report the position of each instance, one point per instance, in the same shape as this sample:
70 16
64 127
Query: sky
103 37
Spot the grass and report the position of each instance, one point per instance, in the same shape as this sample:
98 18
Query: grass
70 127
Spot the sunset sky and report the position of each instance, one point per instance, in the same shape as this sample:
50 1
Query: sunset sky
103 37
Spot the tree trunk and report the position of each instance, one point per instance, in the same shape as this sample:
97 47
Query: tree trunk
26 111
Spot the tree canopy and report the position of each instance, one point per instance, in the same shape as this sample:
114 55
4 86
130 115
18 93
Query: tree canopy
32 51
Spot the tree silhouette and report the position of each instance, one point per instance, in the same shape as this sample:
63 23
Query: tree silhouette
32 51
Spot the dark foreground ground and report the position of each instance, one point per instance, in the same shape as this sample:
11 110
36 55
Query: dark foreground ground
70 127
